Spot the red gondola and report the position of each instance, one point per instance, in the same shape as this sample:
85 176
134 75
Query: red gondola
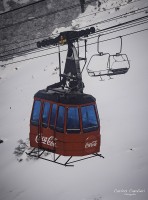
64 120
66 124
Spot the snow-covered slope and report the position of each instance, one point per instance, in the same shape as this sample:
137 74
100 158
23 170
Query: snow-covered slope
123 110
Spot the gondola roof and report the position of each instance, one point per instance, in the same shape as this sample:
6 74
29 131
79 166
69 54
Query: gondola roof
62 96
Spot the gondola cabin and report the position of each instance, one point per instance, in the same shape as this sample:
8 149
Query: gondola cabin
65 123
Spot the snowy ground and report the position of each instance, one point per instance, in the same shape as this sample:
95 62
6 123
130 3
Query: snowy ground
123 109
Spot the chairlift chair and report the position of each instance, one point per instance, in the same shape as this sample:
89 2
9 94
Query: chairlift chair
115 64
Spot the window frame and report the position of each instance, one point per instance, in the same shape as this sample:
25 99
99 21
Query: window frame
33 122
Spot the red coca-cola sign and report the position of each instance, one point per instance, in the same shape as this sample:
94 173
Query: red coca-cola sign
50 141
90 144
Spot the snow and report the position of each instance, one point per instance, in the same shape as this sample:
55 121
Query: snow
123 110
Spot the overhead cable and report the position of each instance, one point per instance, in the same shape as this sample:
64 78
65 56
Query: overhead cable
48 54
100 22
108 30
21 7
67 20
41 16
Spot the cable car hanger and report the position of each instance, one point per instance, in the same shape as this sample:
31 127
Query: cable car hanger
64 120
72 76
113 62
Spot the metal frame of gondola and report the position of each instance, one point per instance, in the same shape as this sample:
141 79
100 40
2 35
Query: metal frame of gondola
38 153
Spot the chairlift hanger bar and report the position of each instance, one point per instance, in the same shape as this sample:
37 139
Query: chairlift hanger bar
98 43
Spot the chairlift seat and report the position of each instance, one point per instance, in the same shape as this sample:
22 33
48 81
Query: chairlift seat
118 71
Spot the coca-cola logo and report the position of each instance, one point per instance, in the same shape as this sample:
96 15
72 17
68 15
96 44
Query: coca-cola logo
90 144
50 141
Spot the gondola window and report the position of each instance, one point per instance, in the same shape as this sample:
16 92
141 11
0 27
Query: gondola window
73 122
89 119
53 115
36 113
60 119
45 114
